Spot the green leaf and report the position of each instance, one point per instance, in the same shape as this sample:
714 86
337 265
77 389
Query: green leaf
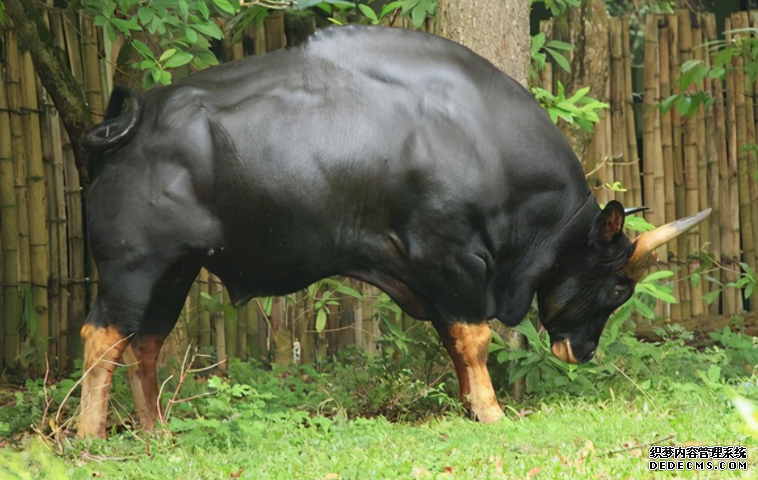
653 277
143 49
145 14
126 25
711 297
204 59
553 112
167 54
101 21
643 309
578 95
225 6
178 59
370 14
717 72
184 9
496 338
668 103
191 35
210 29
320 320
538 41
418 15
409 5
348 291
108 29
390 7
147 80
203 7
559 59
558 45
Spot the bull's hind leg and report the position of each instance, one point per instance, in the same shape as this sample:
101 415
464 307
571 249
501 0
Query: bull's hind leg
138 305
141 355
468 347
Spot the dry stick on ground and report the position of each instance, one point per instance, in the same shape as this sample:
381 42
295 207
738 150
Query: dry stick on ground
642 445
647 395
186 370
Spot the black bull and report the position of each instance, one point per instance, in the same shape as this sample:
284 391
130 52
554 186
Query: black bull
398 158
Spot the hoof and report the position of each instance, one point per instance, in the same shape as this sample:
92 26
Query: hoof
488 415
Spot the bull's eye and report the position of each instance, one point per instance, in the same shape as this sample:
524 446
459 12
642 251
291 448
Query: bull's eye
619 291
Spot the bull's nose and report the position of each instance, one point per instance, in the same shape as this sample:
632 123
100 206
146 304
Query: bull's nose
562 350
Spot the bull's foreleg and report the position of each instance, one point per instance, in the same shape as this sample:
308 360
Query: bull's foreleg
103 347
141 358
468 347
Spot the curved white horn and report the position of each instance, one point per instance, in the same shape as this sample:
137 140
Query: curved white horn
646 243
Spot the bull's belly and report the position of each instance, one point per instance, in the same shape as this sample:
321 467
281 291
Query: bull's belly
250 276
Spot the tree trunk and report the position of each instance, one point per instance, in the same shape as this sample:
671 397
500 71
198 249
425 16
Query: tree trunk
586 28
56 78
499 33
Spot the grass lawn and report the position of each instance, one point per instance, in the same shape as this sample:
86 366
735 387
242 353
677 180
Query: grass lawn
332 422
560 438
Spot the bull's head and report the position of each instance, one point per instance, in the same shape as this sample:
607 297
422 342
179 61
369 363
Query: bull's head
597 278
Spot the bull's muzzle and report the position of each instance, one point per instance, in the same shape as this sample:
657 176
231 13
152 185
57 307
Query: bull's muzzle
562 350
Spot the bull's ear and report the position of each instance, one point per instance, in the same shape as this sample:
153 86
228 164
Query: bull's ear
609 223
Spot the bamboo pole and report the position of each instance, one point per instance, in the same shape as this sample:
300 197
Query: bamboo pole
264 336
678 162
357 314
752 159
702 164
215 288
730 214
618 97
599 140
230 331
204 330
712 156
702 146
13 91
650 155
608 168
10 237
743 158
242 351
692 201
631 136
38 232
76 245
93 91
252 329
658 168
193 306
58 294
667 150
54 274
618 110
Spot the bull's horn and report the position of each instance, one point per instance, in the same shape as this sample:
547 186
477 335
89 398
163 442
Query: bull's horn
633 210
646 243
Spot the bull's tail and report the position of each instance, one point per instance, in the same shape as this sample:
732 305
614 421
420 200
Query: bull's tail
117 127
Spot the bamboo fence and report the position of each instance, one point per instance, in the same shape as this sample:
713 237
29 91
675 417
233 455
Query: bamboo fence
673 164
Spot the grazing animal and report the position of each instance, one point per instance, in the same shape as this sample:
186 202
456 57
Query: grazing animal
395 157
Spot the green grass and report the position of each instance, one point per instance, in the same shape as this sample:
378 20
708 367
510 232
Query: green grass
563 438
331 421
